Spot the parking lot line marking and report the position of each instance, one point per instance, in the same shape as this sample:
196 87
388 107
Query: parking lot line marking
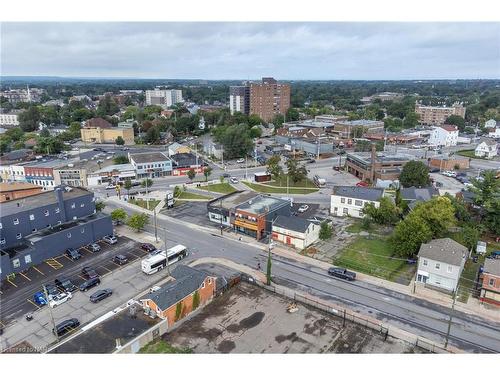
54 263
80 276
36 269
34 304
67 257
12 283
106 268
3 325
22 274
87 250
132 254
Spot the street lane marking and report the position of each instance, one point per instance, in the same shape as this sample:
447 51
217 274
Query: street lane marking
12 283
34 304
36 269
22 274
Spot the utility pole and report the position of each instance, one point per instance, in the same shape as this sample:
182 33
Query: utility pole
146 182
246 167
451 317
220 213
166 253
156 229
50 312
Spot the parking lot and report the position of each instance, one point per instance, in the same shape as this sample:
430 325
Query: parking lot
17 295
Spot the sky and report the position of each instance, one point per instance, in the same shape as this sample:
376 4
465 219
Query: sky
288 51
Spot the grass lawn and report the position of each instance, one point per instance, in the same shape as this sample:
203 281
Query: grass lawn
278 190
142 203
188 195
160 346
468 154
467 280
223 188
281 182
372 256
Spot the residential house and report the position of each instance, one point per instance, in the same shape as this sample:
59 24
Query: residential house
176 148
151 164
444 135
214 149
491 123
493 133
440 263
16 190
177 299
413 195
490 288
295 231
487 149
350 200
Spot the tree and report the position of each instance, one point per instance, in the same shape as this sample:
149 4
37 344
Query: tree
470 236
235 139
152 135
138 221
292 114
386 214
207 172
486 188
191 174
297 173
411 120
29 119
49 145
107 106
74 129
44 133
119 141
119 215
325 231
147 182
457 121
99 206
196 300
409 234
255 132
273 166
366 146
127 186
120 159
438 213
414 173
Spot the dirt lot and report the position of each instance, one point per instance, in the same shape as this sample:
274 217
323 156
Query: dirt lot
248 319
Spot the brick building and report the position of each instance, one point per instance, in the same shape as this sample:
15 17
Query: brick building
449 162
269 98
434 115
490 289
15 190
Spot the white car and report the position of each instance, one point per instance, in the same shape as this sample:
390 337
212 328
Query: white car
303 208
449 174
239 161
233 180
59 299
110 239
110 187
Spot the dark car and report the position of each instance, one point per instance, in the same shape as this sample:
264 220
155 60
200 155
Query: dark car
65 285
226 175
89 273
148 247
66 326
90 283
100 295
342 273
433 170
120 259
310 161
51 289
73 254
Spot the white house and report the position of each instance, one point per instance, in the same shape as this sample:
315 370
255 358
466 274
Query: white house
490 124
350 200
493 133
444 135
487 149
440 263
295 231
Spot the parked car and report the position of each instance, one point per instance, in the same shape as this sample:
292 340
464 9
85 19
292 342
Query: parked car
433 170
66 326
336 168
342 273
120 259
110 239
39 298
496 254
239 161
148 247
303 208
226 175
449 174
90 283
94 247
59 299
51 290
362 184
64 284
233 180
110 187
73 254
89 272
100 295
310 161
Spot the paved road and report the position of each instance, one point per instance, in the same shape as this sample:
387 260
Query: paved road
412 314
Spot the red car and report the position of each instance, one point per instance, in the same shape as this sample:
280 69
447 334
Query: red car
148 247
362 184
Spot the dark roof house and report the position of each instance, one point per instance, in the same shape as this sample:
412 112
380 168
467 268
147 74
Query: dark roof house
420 194
365 193
293 223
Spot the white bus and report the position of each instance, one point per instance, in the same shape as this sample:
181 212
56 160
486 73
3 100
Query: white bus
158 261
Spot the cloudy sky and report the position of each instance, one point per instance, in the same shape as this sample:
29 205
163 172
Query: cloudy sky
253 50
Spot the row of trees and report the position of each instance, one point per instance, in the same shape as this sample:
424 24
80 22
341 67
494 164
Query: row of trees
295 171
136 221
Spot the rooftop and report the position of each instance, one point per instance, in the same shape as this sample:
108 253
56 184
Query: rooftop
294 223
149 157
262 204
449 128
362 123
421 194
381 157
97 122
16 186
185 159
40 200
492 266
358 192
443 250
233 199
115 167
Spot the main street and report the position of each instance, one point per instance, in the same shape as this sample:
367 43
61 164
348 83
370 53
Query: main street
468 332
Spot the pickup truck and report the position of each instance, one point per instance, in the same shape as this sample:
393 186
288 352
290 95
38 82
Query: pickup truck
342 273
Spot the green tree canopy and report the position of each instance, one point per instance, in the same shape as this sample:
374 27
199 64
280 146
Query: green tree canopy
191 174
29 119
386 213
119 215
415 173
456 120
119 140
325 231
273 166
120 159
295 171
409 234
138 221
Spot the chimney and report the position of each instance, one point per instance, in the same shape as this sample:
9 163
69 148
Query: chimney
60 202
374 158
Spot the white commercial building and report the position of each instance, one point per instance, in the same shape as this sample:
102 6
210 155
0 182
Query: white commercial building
350 200
486 149
166 98
295 231
445 135
9 119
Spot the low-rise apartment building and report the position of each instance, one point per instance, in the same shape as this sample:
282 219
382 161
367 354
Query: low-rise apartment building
295 231
435 115
490 287
350 200
444 135
9 119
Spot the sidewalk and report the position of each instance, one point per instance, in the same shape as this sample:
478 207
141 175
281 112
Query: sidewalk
412 290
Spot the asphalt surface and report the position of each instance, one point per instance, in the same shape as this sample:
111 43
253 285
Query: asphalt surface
415 315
